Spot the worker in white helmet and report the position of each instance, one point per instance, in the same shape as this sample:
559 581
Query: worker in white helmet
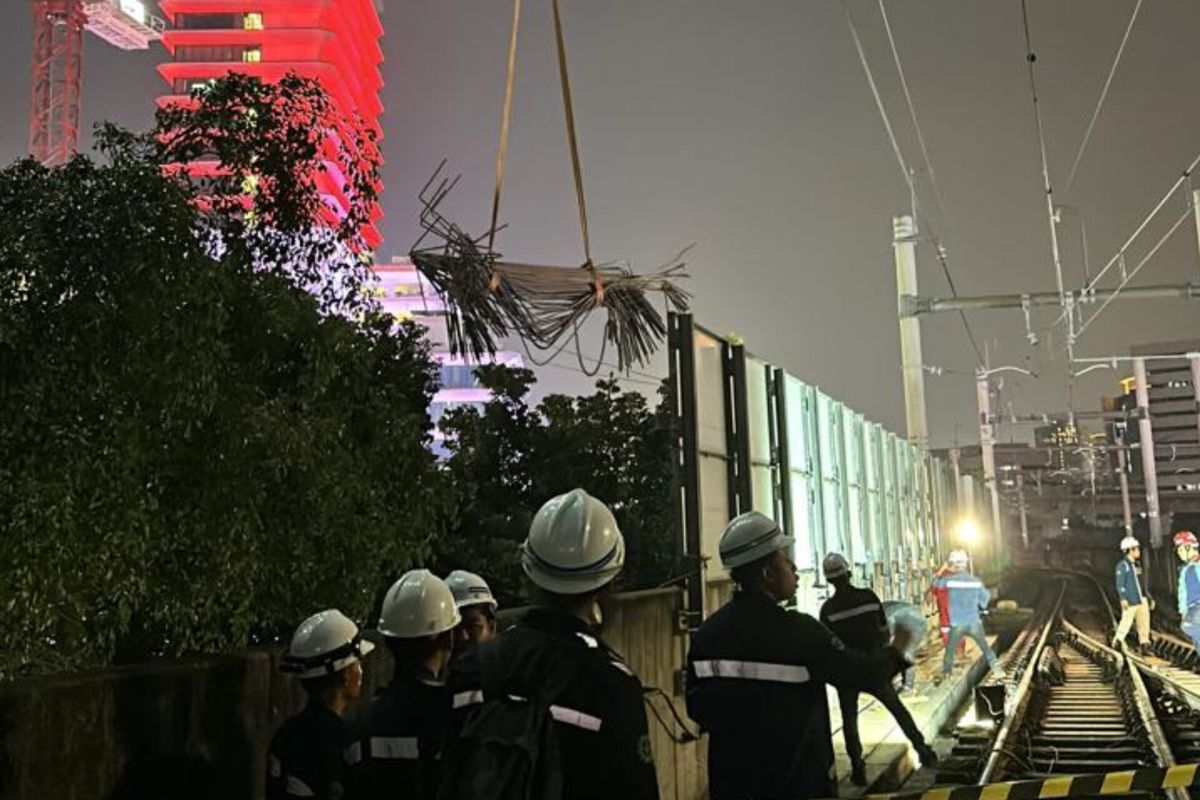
476 604
398 745
856 617
966 597
756 676
553 674
305 756
1135 604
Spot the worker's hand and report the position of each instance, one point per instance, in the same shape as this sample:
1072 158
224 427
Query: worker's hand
1153 605
1124 605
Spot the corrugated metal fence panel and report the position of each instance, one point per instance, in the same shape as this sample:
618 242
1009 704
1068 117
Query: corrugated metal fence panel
856 506
762 473
829 438
714 450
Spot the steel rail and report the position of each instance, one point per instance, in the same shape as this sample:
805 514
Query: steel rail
998 756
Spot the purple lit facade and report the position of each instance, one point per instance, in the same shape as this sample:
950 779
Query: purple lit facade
404 294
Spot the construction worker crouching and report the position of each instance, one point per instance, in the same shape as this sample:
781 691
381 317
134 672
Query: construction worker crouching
909 616
305 756
1188 551
398 744
555 712
1135 605
966 598
857 618
756 676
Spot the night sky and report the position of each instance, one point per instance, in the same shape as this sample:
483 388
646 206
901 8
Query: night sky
748 128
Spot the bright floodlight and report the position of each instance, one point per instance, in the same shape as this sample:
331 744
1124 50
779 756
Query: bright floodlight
967 530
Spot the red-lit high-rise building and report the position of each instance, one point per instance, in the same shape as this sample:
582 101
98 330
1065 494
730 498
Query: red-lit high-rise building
333 41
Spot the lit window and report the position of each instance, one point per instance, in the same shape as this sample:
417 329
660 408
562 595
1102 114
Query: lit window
252 54
252 21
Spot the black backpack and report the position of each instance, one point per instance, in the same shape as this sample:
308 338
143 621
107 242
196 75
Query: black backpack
507 749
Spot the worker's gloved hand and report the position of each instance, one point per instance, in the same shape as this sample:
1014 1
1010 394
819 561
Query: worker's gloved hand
1153 605
1124 605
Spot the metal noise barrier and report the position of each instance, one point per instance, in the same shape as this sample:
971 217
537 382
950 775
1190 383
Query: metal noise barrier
1147 780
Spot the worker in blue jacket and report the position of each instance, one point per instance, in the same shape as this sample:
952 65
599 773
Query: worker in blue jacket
1135 605
1188 551
967 597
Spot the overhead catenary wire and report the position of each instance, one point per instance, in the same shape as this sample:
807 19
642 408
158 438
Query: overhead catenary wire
1056 255
912 113
1103 94
905 171
1130 276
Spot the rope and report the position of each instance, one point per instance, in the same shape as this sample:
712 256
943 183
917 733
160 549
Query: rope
572 140
1103 94
505 119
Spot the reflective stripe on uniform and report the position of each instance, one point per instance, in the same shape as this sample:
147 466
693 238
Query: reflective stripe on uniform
752 671
578 719
623 668
464 699
404 747
964 585
590 641
297 788
353 753
854 612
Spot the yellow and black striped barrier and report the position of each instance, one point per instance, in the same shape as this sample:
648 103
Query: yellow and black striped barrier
1149 779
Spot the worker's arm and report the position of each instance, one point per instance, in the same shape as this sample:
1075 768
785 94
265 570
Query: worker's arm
829 660
985 596
1182 598
881 616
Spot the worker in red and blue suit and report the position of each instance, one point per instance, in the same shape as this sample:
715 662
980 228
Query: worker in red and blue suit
967 597
1188 550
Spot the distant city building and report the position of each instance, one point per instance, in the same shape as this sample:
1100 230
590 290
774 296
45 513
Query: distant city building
335 42
404 294
1063 439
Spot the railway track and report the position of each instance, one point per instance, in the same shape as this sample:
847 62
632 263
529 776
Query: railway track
1070 704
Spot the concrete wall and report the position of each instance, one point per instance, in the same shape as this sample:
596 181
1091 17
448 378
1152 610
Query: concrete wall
69 738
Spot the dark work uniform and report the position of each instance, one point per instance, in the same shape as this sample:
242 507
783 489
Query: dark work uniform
595 700
397 745
305 758
756 678
857 617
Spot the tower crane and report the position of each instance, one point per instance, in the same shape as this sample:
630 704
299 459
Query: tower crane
58 27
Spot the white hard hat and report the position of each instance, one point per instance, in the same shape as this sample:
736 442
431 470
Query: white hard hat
470 590
323 644
1129 542
958 558
749 537
419 604
574 545
834 566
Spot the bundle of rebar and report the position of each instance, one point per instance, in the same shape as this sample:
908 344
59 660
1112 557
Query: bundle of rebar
487 299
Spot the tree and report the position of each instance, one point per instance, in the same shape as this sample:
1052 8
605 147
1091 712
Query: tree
195 453
508 460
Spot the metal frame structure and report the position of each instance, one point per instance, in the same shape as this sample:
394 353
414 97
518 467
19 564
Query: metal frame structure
57 80
752 436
